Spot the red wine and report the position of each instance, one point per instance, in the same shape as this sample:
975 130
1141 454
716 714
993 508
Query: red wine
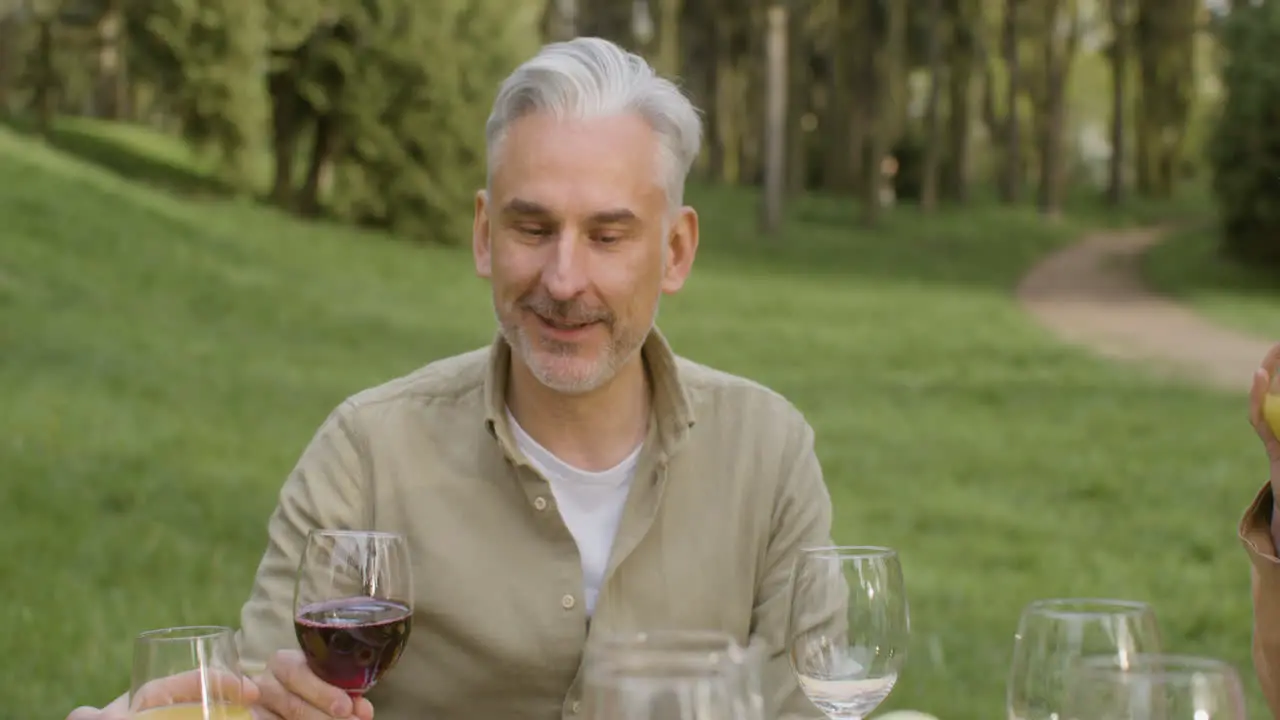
350 643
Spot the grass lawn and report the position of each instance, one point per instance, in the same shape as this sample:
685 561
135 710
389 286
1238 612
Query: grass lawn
163 362
1189 266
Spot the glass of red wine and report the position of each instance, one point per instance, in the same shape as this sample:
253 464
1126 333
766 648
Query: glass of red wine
353 605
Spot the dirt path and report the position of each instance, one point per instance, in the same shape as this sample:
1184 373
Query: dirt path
1092 294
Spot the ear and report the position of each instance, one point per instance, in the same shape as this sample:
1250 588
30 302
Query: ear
480 245
682 246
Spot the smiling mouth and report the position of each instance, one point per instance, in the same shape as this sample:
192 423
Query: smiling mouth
562 325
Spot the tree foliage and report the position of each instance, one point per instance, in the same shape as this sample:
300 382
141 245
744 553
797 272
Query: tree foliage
1245 149
207 58
418 87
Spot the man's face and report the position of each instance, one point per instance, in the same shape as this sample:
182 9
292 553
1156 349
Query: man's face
578 245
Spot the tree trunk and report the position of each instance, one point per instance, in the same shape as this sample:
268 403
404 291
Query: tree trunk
46 90
286 123
8 59
560 20
668 37
799 101
933 134
1058 57
110 96
1011 176
838 121
318 167
775 125
1119 90
876 113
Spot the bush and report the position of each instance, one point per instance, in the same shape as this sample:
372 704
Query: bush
418 90
1245 148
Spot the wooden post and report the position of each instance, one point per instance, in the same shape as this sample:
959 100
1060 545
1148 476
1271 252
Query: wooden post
775 121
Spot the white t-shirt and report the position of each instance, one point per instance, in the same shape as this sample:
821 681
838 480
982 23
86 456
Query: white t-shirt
590 503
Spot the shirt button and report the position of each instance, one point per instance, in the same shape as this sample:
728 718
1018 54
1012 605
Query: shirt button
567 602
539 503
574 707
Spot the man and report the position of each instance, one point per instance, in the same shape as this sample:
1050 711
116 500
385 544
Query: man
1260 533
576 478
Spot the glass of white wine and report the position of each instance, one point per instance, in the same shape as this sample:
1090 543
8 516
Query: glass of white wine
1055 634
849 627
1155 687
188 673
741 666
641 684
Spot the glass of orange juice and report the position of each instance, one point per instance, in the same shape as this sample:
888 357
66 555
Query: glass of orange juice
187 673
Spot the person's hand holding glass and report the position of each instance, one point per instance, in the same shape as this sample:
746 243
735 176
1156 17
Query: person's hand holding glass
353 612
188 673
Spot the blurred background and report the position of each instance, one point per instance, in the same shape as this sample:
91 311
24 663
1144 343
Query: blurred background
219 218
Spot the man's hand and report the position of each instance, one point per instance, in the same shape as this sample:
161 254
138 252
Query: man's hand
290 691
1257 396
187 687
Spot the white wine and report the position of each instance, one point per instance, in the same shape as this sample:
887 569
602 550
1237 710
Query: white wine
196 711
840 698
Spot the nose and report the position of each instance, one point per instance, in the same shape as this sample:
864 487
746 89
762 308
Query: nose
565 273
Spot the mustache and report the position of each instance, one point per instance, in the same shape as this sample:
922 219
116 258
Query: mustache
568 312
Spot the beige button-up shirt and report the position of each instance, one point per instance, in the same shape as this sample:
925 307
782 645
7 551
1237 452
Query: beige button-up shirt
727 490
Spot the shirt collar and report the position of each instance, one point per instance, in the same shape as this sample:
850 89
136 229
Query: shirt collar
672 410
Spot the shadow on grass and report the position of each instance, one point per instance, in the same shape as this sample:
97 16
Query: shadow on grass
982 244
125 159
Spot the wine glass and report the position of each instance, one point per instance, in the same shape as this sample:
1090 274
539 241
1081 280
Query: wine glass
1054 635
743 666
849 627
187 673
353 605
635 682
1155 687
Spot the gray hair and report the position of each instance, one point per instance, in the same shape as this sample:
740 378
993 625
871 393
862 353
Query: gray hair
590 77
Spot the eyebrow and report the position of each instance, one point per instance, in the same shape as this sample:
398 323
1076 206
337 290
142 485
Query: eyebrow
529 208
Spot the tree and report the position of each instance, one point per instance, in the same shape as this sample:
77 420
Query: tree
1245 150
208 60
408 146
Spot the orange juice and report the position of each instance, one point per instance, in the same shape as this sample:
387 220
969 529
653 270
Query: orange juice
1271 412
196 711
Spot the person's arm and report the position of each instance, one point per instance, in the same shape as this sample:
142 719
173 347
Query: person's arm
1257 533
328 489
801 518
324 490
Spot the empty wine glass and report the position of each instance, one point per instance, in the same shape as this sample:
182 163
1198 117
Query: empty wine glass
849 627
353 605
1155 687
1054 635
187 673
742 666
640 683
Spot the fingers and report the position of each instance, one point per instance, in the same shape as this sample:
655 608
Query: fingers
363 709
1271 361
1257 396
290 690
194 686
93 713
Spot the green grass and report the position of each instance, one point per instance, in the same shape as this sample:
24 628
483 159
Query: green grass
163 362
1189 266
